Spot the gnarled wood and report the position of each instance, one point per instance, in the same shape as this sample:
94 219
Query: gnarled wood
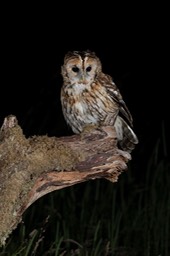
32 167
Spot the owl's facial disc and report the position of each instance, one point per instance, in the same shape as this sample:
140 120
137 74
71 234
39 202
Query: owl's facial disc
81 70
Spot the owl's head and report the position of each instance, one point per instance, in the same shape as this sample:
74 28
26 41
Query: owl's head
80 67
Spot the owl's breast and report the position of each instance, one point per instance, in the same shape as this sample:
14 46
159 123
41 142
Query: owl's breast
87 105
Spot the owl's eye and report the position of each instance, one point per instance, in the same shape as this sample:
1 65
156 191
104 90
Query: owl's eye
88 69
75 69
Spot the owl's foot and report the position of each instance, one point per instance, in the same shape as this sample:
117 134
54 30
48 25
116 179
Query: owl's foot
88 129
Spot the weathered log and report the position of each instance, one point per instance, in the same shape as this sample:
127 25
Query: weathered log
32 167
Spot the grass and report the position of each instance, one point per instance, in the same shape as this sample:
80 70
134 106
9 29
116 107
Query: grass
100 218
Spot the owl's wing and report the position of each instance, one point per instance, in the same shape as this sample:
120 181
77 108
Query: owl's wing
117 97
125 112
127 139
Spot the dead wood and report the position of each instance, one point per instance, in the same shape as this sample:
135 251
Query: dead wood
32 167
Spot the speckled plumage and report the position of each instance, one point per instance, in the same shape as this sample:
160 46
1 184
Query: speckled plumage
88 96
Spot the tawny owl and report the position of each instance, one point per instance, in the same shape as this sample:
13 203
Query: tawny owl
88 96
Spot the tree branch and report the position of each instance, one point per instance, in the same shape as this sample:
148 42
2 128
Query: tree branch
32 167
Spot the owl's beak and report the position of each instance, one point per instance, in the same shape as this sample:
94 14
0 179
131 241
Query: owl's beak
83 80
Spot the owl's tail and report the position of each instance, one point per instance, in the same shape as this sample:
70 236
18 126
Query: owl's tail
127 139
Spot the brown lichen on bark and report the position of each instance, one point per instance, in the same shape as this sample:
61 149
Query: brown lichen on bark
32 167
21 162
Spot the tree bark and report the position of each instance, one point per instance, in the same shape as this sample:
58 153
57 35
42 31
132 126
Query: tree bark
32 167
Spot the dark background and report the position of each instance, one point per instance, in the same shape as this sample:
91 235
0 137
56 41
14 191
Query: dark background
131 41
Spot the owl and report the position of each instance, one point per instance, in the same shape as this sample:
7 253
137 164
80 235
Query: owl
90 97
